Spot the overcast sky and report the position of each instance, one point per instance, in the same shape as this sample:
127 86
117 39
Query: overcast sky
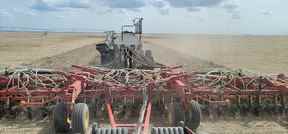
160 16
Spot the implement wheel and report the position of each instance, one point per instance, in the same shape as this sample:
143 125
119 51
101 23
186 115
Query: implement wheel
80 118
167 130
175 114
118 130
60 118
193 115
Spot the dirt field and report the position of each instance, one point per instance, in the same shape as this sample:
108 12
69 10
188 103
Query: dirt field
25 48
264 54
196 53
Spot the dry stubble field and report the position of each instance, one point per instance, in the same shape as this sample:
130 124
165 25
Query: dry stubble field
265 54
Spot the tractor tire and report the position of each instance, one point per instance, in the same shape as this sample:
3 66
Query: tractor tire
149 56
2 109
60 118
176 114
80 118
193 115
167 130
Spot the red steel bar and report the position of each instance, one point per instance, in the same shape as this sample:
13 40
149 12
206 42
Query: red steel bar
111 116
77 88
147 118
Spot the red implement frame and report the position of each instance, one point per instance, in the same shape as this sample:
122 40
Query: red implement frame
82 83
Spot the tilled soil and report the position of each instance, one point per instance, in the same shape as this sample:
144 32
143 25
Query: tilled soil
86 55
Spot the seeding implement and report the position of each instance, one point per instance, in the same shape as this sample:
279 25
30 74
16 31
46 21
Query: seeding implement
44 87
175 88
240 92
130 74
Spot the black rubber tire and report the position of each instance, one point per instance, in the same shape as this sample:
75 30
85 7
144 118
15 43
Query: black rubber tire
167 130
193 115
110 131
176 114
2 109
60 116
149 56
106 55
80 118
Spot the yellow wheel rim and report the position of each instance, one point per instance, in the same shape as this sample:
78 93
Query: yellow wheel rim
86 120
68 120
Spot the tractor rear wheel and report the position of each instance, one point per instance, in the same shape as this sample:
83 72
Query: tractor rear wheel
193 115
149 56
80 118
60 118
